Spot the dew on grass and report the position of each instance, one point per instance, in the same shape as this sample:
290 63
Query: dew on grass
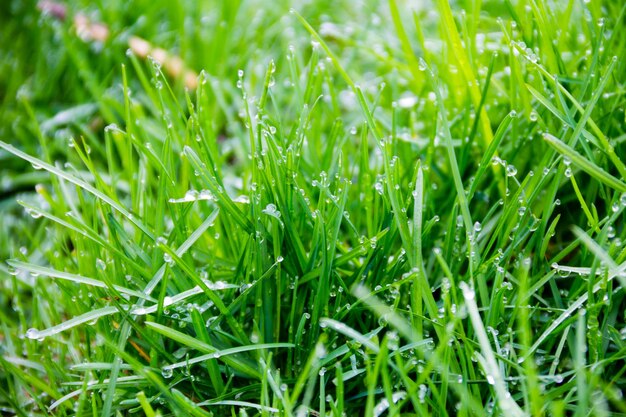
459 221
511 171
407 101
421 64
113 128
100 264
445 285
423 390
271 210
167 372
33 213
243 199
34 334
610 232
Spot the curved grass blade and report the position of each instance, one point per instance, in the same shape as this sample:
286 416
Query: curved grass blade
79 279
584 164
242 366
226 352
78 182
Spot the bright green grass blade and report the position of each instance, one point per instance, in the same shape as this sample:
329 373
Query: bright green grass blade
584 164
80 183
492 370
229 351
241 404
191 240
75 278
239 364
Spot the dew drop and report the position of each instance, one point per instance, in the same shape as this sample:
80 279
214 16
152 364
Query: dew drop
100 264
511 171
421 65
34 334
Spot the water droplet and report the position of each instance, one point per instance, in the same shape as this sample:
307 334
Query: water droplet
421 64
33 334
100 264
615 207
167 372
34 214
271 210
407 101
423 390
511 171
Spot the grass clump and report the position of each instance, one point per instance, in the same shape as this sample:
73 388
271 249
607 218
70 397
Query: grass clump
375 211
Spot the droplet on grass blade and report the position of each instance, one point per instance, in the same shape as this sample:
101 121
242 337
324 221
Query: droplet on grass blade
33 334
167 372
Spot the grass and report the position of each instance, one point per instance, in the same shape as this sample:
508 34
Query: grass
354 209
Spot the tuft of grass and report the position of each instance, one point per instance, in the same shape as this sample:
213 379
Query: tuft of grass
374 209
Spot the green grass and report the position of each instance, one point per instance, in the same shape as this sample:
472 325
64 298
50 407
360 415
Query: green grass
365 208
